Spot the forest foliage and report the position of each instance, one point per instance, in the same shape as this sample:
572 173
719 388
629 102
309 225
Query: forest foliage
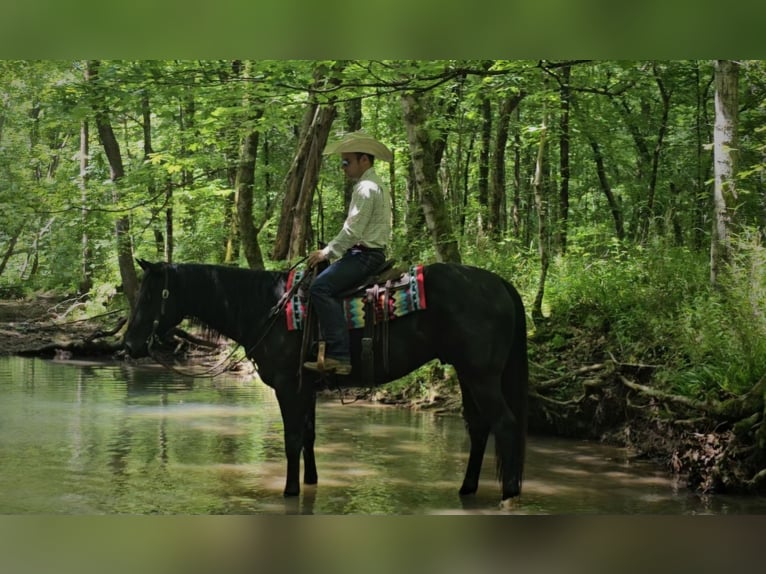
592 185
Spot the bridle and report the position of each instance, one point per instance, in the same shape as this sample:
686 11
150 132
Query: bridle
156 323
221 367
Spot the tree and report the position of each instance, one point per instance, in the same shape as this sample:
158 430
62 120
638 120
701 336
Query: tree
295 222
300 182
564 171
245 180
353 110
424 163
724 158
86 281
541 205
114 156
614 206
484 154
497 199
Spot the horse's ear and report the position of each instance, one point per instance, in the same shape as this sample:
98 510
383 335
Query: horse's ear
144 264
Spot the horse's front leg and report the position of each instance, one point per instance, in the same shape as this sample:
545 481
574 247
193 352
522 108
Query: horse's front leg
309 434
295 408
293 440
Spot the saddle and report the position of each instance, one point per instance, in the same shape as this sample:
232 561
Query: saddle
390 291
386 272
375 292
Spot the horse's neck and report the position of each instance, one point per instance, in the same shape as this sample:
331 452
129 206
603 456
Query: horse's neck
233 308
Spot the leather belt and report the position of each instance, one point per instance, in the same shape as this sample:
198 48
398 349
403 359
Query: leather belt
365 248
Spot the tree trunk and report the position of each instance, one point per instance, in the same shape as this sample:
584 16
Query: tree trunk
151 186
614 206
112 151
414 218
495 220
86 277
464 176
11 247
244 200
424 165
656 153
231 222
516 209
541 203
486 143
294 227
497 211
724 158
392 190
188 133
244 180
563 222
702 196
675 215
300 182
643 159
353 123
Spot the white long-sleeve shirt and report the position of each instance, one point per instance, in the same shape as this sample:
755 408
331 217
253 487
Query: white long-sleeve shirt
368 222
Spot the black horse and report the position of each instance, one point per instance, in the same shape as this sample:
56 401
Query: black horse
474 320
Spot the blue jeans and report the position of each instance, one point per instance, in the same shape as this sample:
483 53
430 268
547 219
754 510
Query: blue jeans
348 272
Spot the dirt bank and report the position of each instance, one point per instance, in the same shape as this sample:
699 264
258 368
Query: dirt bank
581 387
41 326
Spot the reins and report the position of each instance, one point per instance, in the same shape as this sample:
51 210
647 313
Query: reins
224 364
267 324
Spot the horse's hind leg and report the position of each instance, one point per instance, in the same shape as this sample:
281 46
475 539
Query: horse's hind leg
515 382
495 413
478 432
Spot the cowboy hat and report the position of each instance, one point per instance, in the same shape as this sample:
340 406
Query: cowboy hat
359 142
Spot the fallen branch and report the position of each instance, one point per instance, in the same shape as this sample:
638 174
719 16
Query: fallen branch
632 365
543 398
757 479
92 317
737 409
587 385
581 371
101 333
678 399
695 422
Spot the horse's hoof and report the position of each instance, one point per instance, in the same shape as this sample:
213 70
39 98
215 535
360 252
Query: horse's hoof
467 490
310 477
291 493
510 503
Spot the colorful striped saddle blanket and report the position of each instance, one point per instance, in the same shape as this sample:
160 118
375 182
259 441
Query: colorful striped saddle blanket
405 295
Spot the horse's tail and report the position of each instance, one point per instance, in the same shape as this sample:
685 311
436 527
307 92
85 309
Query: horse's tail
515 385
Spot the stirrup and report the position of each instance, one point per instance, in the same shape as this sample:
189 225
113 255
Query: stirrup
320 355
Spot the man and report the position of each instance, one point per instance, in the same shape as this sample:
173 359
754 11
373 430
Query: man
358 249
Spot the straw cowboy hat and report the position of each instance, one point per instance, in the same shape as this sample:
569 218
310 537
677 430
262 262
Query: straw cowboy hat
362 143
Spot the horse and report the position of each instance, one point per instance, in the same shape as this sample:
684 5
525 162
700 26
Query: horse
474 320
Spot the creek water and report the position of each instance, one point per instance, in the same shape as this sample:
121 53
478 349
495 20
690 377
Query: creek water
109 438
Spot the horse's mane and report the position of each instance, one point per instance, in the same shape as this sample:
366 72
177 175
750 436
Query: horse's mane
238 299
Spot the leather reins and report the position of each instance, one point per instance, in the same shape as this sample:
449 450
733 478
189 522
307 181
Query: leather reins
267 324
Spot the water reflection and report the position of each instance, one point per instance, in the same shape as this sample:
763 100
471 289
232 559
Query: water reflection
113 439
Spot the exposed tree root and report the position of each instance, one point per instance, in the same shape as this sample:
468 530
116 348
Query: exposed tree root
717 445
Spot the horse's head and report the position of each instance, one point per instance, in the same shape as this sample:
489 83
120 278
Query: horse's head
156 311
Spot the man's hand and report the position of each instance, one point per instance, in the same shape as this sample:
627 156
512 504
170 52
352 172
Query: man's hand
316 257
